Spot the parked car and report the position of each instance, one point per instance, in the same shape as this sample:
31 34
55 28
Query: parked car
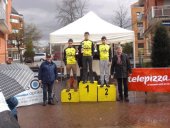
28 60
57 56
39 56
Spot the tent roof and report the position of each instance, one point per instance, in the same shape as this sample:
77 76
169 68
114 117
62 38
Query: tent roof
97 28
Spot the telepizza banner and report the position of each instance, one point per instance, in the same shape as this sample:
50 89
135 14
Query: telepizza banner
150 80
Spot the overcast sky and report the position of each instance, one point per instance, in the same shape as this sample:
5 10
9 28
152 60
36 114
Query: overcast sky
42 13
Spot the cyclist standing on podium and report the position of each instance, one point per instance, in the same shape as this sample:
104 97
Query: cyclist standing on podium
104 52
70 62
87 50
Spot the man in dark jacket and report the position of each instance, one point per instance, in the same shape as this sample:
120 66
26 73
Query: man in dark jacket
120 69
47 76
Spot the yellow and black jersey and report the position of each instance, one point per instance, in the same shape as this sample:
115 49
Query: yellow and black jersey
70 55
87 48
104 52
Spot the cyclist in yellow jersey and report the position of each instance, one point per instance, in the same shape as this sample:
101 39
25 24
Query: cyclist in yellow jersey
70 62
104 52
86 51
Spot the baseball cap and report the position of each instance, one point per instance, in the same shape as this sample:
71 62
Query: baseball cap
48 56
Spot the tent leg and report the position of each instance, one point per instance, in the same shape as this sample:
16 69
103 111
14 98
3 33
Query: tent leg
61 49
50 48
134 59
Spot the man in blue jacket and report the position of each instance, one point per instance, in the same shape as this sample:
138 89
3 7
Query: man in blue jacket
47 76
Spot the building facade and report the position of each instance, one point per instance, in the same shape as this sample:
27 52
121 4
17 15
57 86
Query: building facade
138 24
5 28
151 13
15 45
156 12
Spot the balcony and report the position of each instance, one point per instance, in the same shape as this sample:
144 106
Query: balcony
140 18
3 25
158 13
141 2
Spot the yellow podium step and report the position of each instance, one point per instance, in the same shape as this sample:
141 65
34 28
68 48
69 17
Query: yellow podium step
88 91
107 93
70 96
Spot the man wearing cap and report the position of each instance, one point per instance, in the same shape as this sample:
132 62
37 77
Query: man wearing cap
70 62
104 52
87 51
47 76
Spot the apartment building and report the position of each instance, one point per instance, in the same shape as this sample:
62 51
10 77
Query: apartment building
151 13
138 24
15 45
5 28
155 12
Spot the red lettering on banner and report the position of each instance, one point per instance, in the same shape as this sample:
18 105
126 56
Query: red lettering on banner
150 80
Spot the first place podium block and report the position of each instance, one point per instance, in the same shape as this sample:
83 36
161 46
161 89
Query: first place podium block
107 93
70 96
88 91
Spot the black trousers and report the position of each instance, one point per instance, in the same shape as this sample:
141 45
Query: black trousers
122 82
81 75
87 63
47 87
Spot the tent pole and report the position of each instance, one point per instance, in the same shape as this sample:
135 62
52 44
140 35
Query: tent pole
134 64
50 48
134 59
61 49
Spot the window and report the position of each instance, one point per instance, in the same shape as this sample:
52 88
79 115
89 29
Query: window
139 35
5 1
141 45
138 13
138 16
14 20
14 42
149 46
15 31
40 54
140 24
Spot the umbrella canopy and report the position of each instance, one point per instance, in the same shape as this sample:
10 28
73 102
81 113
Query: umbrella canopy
14 78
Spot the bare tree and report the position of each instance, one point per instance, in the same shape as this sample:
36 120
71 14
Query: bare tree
31 34
70 10
122 17
18 37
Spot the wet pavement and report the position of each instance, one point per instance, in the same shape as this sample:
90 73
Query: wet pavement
143 111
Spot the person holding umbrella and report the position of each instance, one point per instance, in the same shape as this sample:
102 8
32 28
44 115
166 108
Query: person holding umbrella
121 69
47 76
6 118
12 85
70 62
12 101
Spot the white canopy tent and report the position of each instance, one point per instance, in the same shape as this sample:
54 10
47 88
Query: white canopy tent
97 28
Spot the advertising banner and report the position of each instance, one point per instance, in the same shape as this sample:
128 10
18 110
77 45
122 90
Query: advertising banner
32 95
150 80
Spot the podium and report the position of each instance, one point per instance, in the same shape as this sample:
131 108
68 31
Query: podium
70 96
107 93
88 91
